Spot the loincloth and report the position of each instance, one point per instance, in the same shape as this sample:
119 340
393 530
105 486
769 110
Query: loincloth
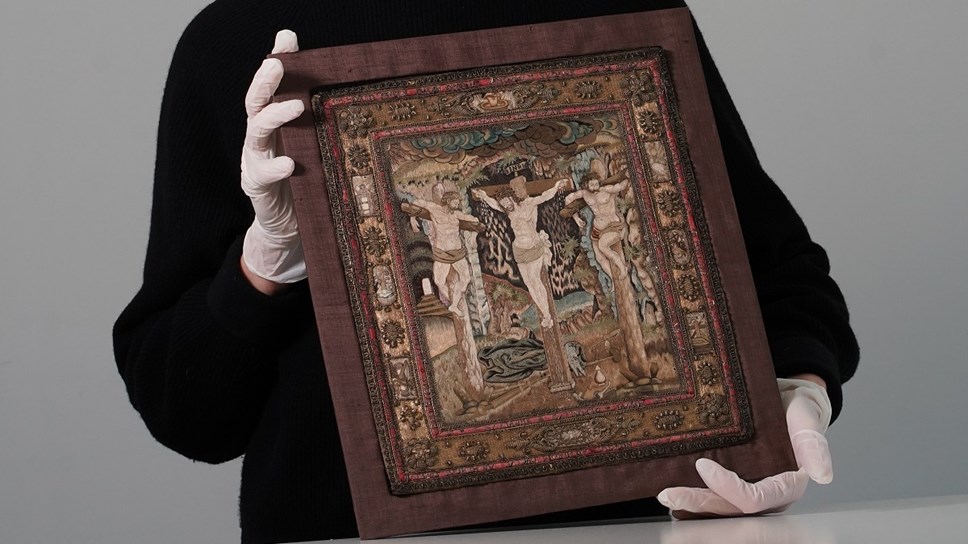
449 256
529 255
617 226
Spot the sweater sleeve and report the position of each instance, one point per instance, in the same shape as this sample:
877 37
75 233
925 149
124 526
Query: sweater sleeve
804 312
197 345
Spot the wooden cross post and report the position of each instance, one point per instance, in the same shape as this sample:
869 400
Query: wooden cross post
559 377
625 303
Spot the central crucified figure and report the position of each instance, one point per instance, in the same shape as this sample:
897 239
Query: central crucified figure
531 248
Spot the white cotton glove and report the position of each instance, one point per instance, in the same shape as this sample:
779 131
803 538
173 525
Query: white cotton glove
272 249
808 414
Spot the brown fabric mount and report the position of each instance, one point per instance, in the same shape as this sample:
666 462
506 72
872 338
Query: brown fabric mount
380 513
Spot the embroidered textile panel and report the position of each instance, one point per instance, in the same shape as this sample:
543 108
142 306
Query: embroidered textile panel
530 272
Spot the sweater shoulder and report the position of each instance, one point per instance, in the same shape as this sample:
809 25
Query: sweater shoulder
222 46
225 28
225 15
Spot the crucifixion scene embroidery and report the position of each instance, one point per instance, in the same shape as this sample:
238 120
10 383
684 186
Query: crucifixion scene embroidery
530 273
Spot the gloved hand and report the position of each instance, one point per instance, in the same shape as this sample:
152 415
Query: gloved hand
808 414
272 249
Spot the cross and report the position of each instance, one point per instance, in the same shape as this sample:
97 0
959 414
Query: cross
423 213
559 377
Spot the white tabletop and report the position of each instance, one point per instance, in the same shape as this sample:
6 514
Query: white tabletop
935 520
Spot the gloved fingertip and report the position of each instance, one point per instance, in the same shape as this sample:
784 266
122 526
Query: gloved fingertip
820 472
665 500
707 466
296 106
813 454
270 67
286 42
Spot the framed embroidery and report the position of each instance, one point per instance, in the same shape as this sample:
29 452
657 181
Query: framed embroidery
518 280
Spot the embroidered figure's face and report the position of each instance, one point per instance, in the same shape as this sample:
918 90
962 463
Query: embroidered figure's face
518 186
507 203
594 185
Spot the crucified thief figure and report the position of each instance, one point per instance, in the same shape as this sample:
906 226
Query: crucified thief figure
608 228
448 248
531 247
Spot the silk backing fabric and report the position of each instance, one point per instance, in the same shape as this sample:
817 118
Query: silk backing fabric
531 284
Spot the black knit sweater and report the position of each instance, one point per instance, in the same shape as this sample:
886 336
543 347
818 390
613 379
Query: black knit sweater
218 370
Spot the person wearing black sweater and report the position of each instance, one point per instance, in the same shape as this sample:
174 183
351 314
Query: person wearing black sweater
218 368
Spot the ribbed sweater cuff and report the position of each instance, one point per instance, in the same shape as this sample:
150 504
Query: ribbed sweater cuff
254 316
805 355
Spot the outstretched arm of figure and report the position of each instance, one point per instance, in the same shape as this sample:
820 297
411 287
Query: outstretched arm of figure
617 187
423 203
550 193
579 221
478 194
407 196
467 217
571 197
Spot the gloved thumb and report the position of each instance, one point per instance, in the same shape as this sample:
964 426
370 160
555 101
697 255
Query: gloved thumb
813 454
808 413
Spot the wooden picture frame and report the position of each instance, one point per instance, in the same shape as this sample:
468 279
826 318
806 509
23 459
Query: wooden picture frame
626 91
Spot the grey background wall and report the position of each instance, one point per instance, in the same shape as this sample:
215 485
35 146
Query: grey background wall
857 108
